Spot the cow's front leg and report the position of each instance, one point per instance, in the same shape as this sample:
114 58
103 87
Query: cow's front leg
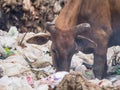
100 57
100 65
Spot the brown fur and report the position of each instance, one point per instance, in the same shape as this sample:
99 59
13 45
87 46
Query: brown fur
67 18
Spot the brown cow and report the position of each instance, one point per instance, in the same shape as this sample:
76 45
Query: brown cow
69 35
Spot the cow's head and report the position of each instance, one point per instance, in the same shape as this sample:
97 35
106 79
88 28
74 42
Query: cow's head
65 43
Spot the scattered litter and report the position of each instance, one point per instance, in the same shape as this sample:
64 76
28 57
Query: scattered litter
30 67
30 80
53 79
26 66
101 83
9 39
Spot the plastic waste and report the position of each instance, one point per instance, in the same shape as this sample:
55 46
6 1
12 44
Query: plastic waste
101 83
8 52
117 69
10 39
42 87
2 53
53 79
117 83
13 31
14 83
30 80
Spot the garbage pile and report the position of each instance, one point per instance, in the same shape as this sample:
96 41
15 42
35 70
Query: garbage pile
26 66
28 15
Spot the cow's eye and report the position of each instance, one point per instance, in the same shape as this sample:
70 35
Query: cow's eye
54 51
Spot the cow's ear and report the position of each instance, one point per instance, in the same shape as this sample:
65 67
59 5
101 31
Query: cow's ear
81 28
85 44
39 39
50 27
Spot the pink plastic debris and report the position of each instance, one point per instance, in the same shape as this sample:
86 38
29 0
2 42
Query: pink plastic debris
29 79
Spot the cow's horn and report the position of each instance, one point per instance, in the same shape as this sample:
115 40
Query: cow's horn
50 27
82 27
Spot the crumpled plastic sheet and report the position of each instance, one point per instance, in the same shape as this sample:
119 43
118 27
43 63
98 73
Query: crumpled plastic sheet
101 83
52 80
14 83
117 83
9 39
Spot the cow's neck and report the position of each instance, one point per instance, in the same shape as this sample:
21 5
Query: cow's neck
68 15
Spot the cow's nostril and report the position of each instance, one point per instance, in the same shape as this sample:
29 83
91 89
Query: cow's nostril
62 4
